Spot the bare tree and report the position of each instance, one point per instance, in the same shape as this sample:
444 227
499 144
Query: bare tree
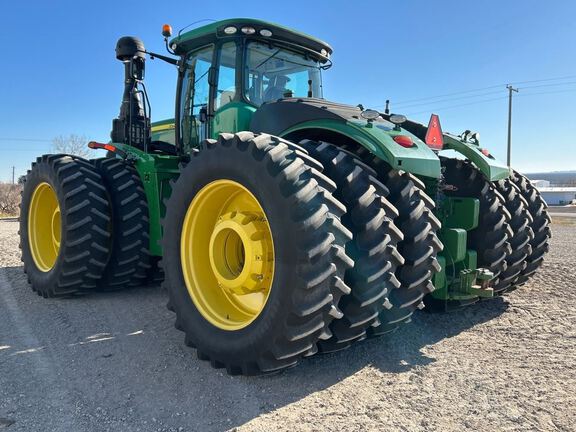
72 144
9 199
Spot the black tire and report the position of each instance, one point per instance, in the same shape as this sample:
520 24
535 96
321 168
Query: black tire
369 217
491 239
85 216
540 226
522 235
129 260
419 247
309 242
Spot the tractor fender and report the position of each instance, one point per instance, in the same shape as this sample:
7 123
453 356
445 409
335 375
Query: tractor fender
488 165
492 168
318 119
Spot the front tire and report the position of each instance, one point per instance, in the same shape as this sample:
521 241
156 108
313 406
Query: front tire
245 193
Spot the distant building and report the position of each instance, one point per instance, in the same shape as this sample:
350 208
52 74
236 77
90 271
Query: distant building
540 183
558 195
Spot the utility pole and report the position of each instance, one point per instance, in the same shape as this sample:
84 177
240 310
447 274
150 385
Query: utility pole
510 90
13 167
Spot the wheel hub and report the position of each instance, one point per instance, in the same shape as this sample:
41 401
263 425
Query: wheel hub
227 254
237 251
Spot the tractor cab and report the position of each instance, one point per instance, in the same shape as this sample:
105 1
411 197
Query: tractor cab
230 68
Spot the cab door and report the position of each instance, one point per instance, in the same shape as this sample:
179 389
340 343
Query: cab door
231 113
195 99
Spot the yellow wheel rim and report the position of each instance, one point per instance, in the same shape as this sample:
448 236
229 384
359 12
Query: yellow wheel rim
44 227
227 254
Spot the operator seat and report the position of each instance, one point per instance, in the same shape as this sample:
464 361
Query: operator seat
276 88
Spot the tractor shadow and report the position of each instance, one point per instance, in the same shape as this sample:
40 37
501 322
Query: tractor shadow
187 384
401 350
391 354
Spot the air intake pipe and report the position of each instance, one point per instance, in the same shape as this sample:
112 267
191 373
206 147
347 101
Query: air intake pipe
132 126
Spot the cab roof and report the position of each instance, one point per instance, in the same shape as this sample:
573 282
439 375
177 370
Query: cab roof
212 32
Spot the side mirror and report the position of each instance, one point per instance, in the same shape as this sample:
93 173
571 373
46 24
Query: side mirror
212 76
203 114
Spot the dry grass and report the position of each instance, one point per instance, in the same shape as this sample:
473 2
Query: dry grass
9 199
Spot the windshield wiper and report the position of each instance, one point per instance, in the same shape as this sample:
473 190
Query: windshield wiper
269 58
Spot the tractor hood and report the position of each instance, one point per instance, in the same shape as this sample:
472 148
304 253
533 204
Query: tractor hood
320 120
276 117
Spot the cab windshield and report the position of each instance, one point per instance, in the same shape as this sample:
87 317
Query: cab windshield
274 72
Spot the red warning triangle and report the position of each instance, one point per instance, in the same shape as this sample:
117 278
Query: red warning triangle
434 138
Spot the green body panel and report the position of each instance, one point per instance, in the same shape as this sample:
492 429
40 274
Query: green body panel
155 171
419 160
462 213
454 240
488 165
232 117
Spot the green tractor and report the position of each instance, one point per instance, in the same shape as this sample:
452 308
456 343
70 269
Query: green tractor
281 223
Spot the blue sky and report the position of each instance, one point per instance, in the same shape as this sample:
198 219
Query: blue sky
58 73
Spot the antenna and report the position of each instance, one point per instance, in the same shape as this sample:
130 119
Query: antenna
195 22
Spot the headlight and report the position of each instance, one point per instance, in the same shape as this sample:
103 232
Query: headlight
397 119
265 33
230 30
370 114
248 30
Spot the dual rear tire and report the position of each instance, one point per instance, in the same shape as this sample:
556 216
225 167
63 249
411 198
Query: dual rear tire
83 225
64 235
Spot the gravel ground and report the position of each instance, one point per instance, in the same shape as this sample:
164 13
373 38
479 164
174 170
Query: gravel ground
113 361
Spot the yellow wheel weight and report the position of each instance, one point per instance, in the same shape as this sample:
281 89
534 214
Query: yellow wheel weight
227 254
44 227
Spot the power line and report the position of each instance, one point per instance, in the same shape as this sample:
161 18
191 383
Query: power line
544 80
549 85
21 150
489 100
484 88
25 139
548 92
447 94
459 105
451 99
434 102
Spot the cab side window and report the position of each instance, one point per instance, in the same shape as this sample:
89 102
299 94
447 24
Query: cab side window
226 91
195 97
